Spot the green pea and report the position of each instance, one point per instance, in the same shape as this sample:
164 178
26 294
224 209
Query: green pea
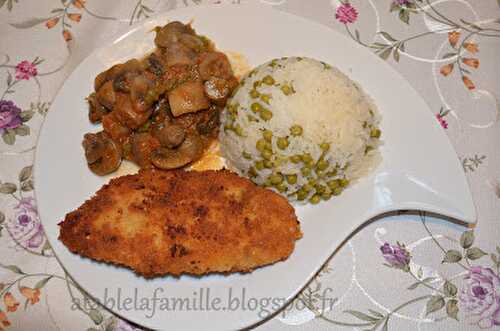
320 173
269 146
257 83
247 155
375 133
337 191
295 158
332 173
228 127
315 199
333 184
344 182
324 147
306 171
301 195
282 143
266 154
282 187
291 179
286 89
127 149
320 189
296 130
322 164
144 127
232 109
260 145
265 98
326 196
252 118
266 115
268 135
268 80
259 165
307 188
312 181
280 160
254 94
256 107
276 178
268 164
238 130
151 96
306 158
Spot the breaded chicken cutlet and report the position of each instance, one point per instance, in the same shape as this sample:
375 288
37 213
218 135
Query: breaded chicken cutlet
173 222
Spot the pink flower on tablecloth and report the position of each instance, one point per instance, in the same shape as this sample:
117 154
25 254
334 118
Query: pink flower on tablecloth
396 256
9 115
442 121
480 297
25 70
402 2
346 13
25 227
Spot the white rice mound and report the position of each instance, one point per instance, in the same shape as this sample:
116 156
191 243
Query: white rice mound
339 122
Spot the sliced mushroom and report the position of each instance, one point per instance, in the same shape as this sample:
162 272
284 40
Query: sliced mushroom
102 153
127 114
138 88
131 66
177 53
106 95
190 150
100 80
214 64
121 84
96 110
169 135
170 33
188 98
193 42
142 145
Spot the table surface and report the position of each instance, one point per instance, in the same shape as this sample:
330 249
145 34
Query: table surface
404 272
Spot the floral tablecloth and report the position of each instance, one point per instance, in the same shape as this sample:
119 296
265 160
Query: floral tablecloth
404 272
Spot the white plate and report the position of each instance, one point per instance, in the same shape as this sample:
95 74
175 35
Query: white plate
419 169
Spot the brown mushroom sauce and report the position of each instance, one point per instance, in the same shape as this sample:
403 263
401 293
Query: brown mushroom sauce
161 111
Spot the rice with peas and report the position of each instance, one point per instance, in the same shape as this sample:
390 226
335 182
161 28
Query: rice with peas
300 127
